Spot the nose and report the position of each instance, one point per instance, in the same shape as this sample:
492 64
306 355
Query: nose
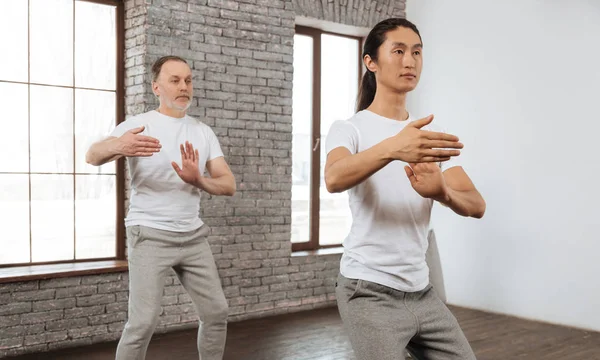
182 85
408 60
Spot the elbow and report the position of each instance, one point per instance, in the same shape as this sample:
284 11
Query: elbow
480 210
332 184
90 160
230 191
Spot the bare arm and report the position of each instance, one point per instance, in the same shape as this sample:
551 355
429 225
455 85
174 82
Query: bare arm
103 152
221 180
344 170
129 144
461 195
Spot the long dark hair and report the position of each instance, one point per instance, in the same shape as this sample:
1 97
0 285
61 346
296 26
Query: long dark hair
376 37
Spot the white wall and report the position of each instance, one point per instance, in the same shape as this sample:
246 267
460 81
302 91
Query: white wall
519 82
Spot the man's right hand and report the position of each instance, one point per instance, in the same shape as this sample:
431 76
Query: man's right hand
132 144
413 145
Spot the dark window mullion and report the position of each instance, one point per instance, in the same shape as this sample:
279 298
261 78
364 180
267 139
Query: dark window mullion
29 120
315 182
74 149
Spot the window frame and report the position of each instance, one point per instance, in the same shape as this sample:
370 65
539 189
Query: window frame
62 268
313 242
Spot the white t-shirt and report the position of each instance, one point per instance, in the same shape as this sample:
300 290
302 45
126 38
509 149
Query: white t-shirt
390 220
159 198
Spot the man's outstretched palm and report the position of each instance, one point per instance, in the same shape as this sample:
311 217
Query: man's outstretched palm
189 171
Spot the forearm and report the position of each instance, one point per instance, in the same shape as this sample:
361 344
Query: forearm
102 152
354 169
222 185
466 203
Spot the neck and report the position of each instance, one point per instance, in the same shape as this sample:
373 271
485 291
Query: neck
390 105
170 111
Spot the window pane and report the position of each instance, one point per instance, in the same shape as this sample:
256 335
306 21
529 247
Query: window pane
51 129
14 212
95 216
51 36
339 87
14 133
95 46
52 217
301 137
13 36
94 119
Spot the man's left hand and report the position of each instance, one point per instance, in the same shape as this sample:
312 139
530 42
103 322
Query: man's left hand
189 171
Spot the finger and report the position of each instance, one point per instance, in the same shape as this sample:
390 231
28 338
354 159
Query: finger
189 150
176 167
143 154
197 156
149 139
410 174
440 144
431 159
182 151
434 135
137 130
421 122
440 153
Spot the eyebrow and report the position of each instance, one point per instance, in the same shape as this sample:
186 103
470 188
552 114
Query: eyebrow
177 76
401 44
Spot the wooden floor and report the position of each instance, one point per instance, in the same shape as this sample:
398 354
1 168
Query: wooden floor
319 335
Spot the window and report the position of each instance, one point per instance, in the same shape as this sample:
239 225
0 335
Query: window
61 87
326 79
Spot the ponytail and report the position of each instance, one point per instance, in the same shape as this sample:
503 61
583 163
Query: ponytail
366 93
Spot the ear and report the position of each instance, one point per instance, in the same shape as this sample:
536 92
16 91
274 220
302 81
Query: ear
155 88
370 63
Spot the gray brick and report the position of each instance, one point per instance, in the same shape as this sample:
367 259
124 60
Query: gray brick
235 15
178 309
33 295
15 308
114 307
249 8
54 304
251 81
11 343
224 4
96 299
260 307
218 22
272 296
88 331
234 105
36 318
107 318
48 337
246 115
79 312
61 282
9 320
5 298
205 29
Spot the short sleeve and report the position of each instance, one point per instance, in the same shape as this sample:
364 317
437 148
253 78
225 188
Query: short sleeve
342 133
125 126
214 148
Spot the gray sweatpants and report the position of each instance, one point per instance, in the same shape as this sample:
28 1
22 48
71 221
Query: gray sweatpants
152 253
381 322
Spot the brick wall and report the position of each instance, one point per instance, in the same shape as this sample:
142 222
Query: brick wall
241 56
